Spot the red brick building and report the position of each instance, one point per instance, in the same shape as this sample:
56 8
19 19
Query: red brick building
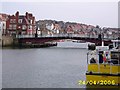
21 24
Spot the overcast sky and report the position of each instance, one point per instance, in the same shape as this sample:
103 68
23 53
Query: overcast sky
104 14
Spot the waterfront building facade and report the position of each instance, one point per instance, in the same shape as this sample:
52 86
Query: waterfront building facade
20 24
3 19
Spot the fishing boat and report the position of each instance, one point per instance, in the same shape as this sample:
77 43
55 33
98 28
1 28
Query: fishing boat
103 66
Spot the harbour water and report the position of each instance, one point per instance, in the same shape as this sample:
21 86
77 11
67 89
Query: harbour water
55 67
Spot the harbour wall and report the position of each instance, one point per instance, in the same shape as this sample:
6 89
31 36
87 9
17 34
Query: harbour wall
6 41
11 41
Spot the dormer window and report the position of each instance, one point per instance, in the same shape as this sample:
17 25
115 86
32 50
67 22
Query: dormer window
20 21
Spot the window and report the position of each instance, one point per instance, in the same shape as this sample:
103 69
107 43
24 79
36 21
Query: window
24 27
31 21
11 20
14 26
3 24
20 21
10 26
14 20
30 27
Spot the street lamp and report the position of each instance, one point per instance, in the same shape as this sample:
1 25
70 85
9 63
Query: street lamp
36 35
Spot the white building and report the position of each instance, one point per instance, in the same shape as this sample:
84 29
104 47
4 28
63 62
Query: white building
3 18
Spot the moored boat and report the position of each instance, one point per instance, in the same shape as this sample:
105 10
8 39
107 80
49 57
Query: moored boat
103 67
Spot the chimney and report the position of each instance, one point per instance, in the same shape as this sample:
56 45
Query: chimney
17 16
26 15
33 20
17 13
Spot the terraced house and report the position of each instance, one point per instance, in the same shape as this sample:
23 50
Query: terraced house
3 19
21 24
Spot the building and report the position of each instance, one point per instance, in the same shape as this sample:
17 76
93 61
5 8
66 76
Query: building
20 24
69 29
41 27
3 19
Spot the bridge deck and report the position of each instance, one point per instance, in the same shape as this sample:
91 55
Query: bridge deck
43 39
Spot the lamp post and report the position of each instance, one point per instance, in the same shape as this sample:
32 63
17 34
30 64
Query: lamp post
36 35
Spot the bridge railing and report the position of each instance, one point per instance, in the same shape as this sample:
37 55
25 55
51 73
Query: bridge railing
59 35
65 35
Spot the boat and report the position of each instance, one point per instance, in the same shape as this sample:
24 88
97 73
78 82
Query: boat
72 44
103 66
78 41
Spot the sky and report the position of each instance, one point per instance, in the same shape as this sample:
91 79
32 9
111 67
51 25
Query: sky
104 14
